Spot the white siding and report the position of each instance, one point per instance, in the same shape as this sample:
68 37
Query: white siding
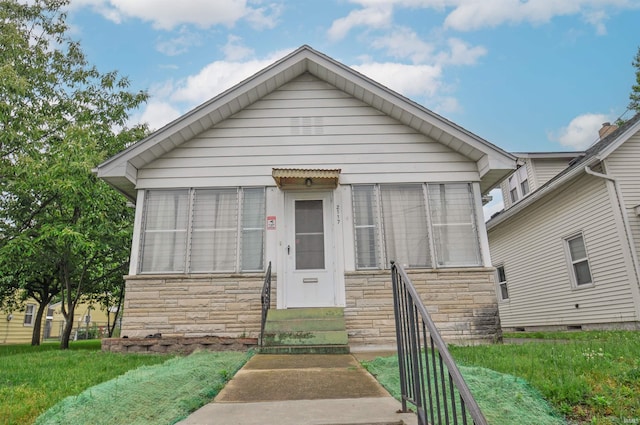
531 248
307 124
624 165
545 170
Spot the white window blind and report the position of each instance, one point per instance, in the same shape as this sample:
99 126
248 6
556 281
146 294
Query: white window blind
201 230
455 237
366 214
214 234
165 234
253 221
405 225
417 225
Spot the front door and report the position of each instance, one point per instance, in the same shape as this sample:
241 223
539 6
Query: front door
310 255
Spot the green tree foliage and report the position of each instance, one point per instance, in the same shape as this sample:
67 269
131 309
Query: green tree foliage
59 118
634 97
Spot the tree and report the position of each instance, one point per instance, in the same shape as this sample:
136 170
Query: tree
59 117
634 96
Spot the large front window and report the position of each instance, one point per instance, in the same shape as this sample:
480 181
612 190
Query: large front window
417 225
203 230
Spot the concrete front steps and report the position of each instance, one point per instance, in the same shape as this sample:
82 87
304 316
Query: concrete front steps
305 331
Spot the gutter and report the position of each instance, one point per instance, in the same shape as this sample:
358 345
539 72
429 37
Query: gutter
625 221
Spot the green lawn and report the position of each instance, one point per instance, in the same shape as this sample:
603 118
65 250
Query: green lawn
590 377
32 379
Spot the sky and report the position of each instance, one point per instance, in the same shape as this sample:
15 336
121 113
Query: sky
526 75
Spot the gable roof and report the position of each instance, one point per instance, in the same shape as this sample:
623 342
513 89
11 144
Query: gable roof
596 153
120 171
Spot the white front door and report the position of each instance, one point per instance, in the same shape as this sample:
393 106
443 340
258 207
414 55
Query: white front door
310 252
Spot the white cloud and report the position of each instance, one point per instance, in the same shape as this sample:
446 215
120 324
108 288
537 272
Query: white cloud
180 44
167 14
468 15
377 16
403 43
581 132
496 205
461 53
157 114
410 80
234 50
218 76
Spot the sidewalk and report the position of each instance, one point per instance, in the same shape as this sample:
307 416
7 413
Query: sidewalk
332 389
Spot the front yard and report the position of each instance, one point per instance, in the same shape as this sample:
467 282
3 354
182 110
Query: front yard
588 377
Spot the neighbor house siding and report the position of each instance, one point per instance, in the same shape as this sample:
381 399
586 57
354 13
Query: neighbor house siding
531 248
545 169
624 165
307 123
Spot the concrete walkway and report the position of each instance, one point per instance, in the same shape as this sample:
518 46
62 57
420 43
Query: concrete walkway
327 389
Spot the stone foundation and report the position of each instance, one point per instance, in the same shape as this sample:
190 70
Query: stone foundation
461 302
178 345
193 306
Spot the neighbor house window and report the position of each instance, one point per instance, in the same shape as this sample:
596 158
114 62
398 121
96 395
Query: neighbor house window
519 184
580 270
29 312
418 225
502 283
203 230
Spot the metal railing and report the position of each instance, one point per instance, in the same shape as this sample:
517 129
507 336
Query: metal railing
429 377
266 301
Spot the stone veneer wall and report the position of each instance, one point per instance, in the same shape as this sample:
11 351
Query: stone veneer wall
194 305
462 303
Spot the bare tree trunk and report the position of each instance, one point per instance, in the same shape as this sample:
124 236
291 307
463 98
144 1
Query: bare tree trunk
68 327
37 325
111 327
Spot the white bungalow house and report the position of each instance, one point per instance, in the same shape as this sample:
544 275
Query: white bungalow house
326 175
566 246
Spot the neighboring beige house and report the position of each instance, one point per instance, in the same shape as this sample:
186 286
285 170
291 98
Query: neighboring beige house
566 246
16 327
325 174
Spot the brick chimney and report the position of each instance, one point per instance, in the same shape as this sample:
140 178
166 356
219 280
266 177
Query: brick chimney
606 129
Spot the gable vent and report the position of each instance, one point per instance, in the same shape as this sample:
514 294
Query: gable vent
307 126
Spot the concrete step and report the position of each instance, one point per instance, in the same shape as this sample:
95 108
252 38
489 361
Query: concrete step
311 325
306 338
305 330
306 313
305 349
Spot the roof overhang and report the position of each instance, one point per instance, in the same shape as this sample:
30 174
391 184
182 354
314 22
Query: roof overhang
494 164
298 178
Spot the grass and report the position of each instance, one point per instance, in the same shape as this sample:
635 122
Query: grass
589 377
158 394
32 379
503 399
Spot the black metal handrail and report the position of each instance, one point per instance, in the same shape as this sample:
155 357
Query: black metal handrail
266 301
424 361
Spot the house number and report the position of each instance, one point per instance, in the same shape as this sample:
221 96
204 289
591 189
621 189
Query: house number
338 213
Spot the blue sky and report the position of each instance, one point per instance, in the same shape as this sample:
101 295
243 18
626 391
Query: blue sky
536 75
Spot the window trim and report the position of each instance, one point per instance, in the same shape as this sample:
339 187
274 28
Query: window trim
29 314
515 184
571 262
239 230
502 283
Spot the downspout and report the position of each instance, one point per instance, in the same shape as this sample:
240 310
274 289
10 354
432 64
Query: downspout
625 224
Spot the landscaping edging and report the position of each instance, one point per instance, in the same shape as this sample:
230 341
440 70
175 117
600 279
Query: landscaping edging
177 345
